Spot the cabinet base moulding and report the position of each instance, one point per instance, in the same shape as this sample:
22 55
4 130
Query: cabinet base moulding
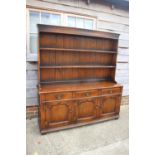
79 124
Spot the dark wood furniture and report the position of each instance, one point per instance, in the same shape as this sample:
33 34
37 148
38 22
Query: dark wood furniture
76 71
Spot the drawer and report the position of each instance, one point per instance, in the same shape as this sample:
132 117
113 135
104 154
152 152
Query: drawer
111 91
58 96
86 93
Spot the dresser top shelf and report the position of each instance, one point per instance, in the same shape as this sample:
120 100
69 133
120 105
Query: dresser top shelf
74 87
76 31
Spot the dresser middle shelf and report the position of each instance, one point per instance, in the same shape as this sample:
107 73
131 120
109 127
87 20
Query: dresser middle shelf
79 66
79 50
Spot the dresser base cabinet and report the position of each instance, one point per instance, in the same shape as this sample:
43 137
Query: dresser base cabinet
76 72
68 109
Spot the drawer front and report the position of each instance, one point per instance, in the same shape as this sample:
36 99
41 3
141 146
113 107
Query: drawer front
58 96
84 94
111 91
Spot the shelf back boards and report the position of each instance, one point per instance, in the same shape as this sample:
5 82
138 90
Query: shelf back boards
71 54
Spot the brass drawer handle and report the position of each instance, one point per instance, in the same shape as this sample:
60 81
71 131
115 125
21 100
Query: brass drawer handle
110 91
87 94
58 97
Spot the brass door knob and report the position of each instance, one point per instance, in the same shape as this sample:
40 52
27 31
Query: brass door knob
87 94
58 97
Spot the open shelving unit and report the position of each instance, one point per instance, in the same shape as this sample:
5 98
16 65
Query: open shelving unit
70 57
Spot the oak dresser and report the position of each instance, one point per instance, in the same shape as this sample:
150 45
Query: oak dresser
76 71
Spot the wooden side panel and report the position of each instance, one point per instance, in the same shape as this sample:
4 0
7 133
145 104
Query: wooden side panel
42 117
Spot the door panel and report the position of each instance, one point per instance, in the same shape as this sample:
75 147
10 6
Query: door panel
58 113
109 104
86 110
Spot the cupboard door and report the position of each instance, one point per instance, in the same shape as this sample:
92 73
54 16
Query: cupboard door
86 110
58 114
109 105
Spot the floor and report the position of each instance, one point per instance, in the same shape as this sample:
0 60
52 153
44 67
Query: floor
107 138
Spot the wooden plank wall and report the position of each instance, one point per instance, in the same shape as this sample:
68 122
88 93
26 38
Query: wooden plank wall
111 20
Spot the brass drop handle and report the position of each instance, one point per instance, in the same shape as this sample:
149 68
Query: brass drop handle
58 97
110 91
87 94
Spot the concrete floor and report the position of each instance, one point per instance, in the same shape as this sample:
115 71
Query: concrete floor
107 138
